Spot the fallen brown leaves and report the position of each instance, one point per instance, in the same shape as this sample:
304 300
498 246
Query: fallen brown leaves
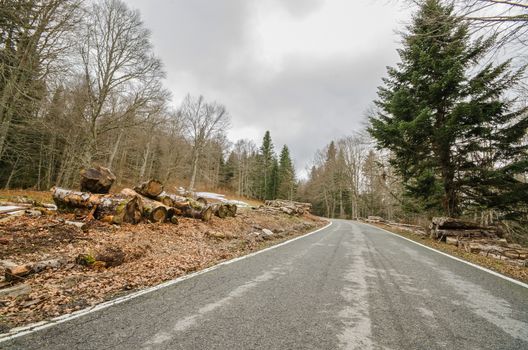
153 253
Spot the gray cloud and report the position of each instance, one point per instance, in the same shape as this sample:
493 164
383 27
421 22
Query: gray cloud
305 98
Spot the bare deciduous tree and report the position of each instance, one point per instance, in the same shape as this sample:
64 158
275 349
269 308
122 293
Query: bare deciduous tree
121 72
203 121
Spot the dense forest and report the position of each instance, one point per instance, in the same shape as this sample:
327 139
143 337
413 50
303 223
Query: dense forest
66 104
448 132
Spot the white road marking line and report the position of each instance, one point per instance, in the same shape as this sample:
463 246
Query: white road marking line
522 284
21 331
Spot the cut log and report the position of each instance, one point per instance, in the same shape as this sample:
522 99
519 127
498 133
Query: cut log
220 210
187 207
17 273
231 210
10 209
68 199
452 223
46 264
150 189
452 240
153 210
97 180
202 200
289 207
120 208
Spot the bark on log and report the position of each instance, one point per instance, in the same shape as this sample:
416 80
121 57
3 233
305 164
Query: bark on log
153 210
17 273
68 199
231 210
150 189
187 207
110 208
122 209
452 240
220 210
452 223
97 180
202 200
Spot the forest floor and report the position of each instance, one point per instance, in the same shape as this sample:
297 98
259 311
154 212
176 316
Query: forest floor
517 272
153 253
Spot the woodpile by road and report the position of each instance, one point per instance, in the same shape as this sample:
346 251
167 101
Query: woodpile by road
286 206
477 239
466 235
146 202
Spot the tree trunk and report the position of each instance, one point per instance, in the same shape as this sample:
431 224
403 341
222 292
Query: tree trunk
187 206
97 180
153 210
194 170
120 210
151 189
111 208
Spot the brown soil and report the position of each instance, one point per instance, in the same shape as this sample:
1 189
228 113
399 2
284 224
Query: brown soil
153 253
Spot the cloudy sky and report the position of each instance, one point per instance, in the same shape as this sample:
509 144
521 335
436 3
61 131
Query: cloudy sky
304 69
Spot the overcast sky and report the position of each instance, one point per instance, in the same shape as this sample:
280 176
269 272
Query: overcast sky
304 69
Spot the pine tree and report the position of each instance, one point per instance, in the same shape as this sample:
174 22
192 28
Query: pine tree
286 176
445 119
227 171
273 183
266 161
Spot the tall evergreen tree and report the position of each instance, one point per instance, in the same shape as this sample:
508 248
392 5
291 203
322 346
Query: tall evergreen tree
273 183
266 161
446 121
287 185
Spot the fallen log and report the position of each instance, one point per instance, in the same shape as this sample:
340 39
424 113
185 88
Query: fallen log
452 223
68 199
11 210
151 188
110 208
153 210
17 273
231 209
120 209
97 180
220 210
187 207
452 240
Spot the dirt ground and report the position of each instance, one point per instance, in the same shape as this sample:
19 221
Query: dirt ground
153 253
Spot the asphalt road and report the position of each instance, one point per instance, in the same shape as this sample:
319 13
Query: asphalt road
349 286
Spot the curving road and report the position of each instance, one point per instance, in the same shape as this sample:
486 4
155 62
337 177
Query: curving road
349 286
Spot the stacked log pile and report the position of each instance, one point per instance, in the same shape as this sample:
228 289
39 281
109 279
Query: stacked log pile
443 227
474 238
419 230
146 202
288 207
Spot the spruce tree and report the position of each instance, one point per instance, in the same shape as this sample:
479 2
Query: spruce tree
273 183
266 161
444 117
286 188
